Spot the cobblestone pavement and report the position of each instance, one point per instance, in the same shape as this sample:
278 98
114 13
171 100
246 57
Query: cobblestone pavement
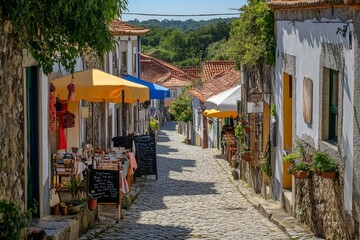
192 199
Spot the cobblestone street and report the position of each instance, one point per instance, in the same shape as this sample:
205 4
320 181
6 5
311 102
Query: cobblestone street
192 199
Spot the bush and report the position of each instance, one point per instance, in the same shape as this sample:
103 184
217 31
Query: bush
14 220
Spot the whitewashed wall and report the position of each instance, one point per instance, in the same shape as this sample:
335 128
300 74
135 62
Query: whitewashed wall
303 40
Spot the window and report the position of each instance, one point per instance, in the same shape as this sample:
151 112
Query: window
173 93
333 105
134 62
123 63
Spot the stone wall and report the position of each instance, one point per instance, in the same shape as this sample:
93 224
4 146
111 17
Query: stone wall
12 166
319 204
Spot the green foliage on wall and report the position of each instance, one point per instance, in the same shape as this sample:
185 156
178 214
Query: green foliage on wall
252 36
60 31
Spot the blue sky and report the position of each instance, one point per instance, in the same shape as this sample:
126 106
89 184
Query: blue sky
181 7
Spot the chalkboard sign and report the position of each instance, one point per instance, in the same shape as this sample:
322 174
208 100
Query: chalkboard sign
122 141
145 155
104 185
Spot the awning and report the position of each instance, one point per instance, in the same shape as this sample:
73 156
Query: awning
225 101
211 113
94 85
156 91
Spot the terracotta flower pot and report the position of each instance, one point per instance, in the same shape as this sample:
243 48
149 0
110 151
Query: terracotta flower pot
247 130
64 210
92 204
329 175
318 172
301 174
55 210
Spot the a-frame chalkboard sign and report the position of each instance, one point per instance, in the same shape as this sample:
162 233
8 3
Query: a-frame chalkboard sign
145 148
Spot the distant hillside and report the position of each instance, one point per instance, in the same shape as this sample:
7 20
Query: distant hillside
182 25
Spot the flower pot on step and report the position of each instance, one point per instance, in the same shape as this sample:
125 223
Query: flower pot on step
92 204
55 210
64 210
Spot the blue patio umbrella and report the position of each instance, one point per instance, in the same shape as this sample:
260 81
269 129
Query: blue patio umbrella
156 91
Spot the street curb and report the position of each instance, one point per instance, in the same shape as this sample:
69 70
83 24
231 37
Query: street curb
269 208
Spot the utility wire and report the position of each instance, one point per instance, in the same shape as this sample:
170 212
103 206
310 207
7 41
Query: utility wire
180 15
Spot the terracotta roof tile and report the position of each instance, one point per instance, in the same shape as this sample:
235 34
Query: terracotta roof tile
228 79
211 68
163 73
192 70
279 4
120 28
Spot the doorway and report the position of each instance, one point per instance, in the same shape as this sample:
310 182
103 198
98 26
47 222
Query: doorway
287 126
32 123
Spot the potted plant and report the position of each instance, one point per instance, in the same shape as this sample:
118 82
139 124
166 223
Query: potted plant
74 185
245 125
245 153
291 157
329 169
301 169
239 134
154 126
92 202
64 208
55 209
319 159
265 167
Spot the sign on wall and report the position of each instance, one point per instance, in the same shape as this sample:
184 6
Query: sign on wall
255 107
307 100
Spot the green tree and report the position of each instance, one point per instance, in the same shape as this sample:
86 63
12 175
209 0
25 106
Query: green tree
175 42
181 108
62 30
252 36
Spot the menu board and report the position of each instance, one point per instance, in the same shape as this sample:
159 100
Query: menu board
145 155
105 185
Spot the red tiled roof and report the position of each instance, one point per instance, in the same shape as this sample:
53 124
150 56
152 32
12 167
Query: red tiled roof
120 28
192 70
210 68
227 79
278 4
171 80
163 73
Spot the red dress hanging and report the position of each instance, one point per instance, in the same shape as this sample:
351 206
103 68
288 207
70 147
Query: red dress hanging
62 138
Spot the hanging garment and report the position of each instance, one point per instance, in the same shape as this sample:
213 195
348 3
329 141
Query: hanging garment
69 120
52 113
62 138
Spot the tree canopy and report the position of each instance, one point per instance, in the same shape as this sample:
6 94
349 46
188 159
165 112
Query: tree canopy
62 30
252 36
186 48
181 108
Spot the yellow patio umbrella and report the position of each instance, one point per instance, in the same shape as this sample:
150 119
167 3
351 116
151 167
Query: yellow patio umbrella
220 114
94 85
